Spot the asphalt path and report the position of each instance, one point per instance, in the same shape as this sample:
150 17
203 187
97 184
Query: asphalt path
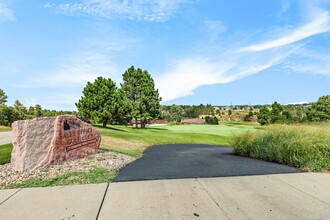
195 161
5 137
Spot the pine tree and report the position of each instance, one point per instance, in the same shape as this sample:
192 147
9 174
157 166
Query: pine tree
3 97
139 88
103 102
264 116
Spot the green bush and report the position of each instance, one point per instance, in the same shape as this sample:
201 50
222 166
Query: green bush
306 147
211 120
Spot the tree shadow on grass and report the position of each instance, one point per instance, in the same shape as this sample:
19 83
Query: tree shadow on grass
110 128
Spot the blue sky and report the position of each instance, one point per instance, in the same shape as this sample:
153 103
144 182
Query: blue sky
198 51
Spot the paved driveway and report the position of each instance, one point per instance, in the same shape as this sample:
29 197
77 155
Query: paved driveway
195 161
5 137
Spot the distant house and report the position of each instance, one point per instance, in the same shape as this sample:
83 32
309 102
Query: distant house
194 121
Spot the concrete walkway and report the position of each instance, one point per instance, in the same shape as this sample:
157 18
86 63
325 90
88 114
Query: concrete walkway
5 137
276 196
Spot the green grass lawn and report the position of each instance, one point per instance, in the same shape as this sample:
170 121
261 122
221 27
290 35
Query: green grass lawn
3 128
133 142
224 129
5 153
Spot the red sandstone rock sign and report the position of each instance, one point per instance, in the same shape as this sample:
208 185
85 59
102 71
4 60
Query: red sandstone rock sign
45 141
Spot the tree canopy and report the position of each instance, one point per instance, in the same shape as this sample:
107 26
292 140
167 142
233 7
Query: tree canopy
3 97
264 116
176 113
276 112
320 110
102 101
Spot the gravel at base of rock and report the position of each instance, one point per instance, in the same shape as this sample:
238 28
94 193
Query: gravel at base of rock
109 160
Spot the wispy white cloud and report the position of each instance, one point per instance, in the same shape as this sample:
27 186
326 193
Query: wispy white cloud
213 28
65 82
231 64
309 62
189 74
320 24
6 13
148 10
54 100
310 9
186 76
77 70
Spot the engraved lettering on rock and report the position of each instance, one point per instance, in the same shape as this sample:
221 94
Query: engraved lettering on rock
77 136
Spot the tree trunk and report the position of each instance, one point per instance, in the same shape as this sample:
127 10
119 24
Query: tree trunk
136 124
105 121
143 122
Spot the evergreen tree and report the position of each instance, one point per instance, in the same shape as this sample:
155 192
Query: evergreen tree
276 112
230 113
264 116
37 110
320 110
139 87
192 111
21 109
211 120
176 113
249 116
3 97
31 112
102 102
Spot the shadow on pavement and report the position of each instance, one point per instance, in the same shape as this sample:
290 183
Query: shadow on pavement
195 161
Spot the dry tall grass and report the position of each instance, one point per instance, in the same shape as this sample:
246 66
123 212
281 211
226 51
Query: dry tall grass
303 146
